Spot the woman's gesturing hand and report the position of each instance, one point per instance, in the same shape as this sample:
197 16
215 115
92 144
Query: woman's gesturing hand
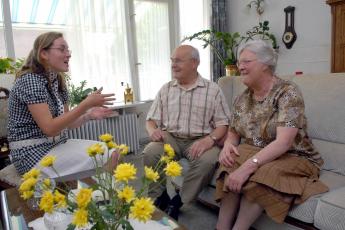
100 113
98 99
226 156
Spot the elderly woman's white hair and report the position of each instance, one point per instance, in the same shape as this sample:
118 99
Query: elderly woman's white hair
264 52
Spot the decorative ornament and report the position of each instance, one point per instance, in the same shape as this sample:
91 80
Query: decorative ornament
259 6
289 36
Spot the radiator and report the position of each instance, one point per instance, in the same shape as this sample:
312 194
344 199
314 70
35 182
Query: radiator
124 129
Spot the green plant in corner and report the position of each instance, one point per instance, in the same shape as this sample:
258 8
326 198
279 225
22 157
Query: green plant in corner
229 41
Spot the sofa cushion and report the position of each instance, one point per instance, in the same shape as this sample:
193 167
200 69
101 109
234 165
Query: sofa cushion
333 155
322 96
330 211
305 211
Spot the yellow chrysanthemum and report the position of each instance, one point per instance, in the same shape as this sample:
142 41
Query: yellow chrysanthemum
106 137
169 151
27 194
59 199
123 149
48 161
151 174
95 149
83 197
142 209
111 145
165 159
125 172
127 194
32 173
28 184
47 202
47 182
173 169
80 218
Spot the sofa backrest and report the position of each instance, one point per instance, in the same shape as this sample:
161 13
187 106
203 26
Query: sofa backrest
324 97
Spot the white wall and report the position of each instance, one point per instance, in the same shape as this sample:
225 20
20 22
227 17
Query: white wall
311 52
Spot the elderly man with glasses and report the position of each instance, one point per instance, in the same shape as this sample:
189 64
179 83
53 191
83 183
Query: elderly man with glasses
191 114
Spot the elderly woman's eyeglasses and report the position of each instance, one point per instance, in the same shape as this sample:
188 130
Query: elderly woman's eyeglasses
63 50
245 62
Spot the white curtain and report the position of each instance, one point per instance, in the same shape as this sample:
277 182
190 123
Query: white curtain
153 45
194 22
97 37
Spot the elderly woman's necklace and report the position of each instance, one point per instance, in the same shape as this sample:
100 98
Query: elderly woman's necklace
261 98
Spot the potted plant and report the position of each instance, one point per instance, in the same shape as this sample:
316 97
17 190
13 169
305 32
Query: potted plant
261 31
229 42
6 65
8 68
78 93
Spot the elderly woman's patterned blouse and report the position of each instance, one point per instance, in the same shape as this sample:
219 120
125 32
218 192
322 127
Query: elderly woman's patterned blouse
257 121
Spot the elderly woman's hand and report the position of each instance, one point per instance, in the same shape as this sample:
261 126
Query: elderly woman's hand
226 156
237 178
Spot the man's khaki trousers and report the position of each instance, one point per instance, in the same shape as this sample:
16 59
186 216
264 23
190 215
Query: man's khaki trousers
200 172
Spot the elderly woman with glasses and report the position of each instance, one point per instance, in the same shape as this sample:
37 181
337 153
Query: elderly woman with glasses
39 114
268 163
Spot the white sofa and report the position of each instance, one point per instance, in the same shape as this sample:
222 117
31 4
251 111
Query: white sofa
324 96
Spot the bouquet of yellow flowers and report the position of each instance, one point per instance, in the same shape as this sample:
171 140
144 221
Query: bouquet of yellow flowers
111 200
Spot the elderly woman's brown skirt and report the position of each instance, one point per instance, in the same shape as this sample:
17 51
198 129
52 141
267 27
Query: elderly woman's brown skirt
276 185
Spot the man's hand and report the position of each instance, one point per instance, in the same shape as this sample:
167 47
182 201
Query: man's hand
157 135
226 156
199 147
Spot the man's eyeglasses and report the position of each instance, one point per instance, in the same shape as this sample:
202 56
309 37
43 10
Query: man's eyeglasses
62 49
245 62
178 61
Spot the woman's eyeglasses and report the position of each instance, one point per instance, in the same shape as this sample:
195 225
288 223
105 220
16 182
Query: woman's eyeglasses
64 50
245 62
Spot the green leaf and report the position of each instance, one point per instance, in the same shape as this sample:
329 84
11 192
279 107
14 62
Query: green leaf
78 93
71 227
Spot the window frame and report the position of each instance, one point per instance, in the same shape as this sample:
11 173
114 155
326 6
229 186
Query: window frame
174 35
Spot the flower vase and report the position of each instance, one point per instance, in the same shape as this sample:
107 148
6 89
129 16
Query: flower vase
34 203
56 220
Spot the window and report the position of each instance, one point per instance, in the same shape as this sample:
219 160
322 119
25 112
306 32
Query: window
3 52
113 42
99 44
2 39
192 23
153 46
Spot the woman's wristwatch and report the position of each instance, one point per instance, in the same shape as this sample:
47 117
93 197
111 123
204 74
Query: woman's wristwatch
256 161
